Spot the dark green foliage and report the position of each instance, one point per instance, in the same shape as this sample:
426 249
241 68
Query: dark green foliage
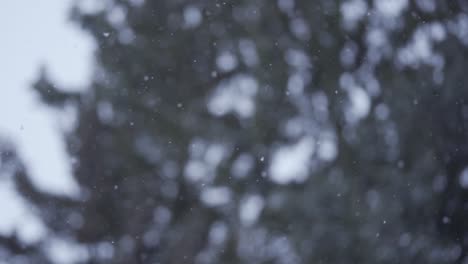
385 118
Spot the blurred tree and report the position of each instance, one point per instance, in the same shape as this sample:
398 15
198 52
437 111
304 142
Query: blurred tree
268 132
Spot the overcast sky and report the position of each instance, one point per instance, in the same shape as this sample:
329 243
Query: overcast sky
34 33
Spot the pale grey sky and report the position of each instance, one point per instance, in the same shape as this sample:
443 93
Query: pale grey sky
32 33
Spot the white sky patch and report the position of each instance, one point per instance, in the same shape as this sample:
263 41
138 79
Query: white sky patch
248 52
218 233
360 104
437 31
250 209
290 163
242 165
66 252
390 8
105 112
196 170
459 27
126 35
197 148
17 216
214 154
91 6
320 104
420 47
296 84
216 196
382 111
32 127
326 147
234 95
137 2
353 11
376 37
116 16
105 250
298 59
294 127
426 5
300 28
463 178
205 158
226 61
286 5
348 53
192 16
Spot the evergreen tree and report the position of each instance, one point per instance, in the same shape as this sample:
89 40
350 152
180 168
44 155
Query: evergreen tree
266 132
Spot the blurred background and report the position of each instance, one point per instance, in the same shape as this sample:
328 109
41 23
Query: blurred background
266 131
